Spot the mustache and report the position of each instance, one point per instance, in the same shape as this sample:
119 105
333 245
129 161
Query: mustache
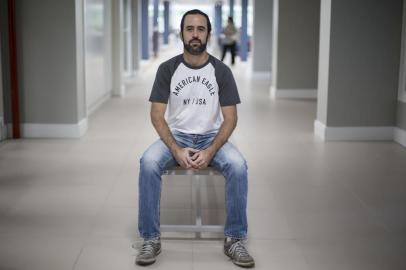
195 39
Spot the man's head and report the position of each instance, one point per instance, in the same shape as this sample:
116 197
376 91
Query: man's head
195 31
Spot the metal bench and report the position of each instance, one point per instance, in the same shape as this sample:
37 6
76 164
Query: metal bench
198 227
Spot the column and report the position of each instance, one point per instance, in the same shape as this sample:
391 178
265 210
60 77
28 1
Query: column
400 129
117 48
243 49
231 8
51 70
217 22
358 69
2 120
295 49
134 34
262 39
166 22
155 33
217 18
144 30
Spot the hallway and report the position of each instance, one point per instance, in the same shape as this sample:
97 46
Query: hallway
72 204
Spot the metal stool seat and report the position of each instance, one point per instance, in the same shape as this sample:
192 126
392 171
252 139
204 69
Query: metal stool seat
197 177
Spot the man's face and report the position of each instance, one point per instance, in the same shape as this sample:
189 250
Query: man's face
194 34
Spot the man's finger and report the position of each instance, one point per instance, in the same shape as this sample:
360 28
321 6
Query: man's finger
186 163
190 160
199 160
192 150
195 156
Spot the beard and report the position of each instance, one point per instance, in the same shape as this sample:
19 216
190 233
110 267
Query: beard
193 49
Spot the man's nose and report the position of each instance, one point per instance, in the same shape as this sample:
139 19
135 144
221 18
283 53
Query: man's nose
195 33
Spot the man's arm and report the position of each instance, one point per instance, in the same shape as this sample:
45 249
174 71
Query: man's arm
203 158
182 155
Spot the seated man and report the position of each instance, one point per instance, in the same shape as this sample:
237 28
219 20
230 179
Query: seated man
199 94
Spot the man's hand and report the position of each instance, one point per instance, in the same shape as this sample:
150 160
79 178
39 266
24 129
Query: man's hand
184 157
202 158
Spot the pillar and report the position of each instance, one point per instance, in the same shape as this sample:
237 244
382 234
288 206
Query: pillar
359 69
134 34
231 8
262 39
295 49
155 33
144 30
118 53
166 22
243 49
51 70
217 22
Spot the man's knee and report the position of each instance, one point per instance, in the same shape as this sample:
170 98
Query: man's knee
236 163
149 162
153 157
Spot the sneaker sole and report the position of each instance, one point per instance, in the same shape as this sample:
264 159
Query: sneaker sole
245 265
148 262
241 264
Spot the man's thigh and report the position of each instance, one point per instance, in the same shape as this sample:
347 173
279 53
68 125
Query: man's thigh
228 154
159 153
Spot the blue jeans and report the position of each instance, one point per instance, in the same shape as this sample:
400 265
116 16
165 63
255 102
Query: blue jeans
228 160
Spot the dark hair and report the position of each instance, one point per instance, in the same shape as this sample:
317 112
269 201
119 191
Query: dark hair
192 12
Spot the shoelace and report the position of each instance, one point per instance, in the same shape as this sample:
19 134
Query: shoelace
147 247
239 249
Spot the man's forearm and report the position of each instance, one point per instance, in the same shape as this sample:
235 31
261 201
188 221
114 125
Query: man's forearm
225 131
165 133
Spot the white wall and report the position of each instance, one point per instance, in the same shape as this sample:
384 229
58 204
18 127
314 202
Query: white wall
97 53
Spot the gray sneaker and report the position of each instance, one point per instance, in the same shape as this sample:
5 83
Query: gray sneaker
235 249
148 252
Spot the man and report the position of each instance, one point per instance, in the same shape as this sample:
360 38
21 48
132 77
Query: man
199 95
229 41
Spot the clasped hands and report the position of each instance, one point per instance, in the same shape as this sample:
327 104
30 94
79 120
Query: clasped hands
192 158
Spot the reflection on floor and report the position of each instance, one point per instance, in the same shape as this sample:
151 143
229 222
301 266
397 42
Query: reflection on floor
72 204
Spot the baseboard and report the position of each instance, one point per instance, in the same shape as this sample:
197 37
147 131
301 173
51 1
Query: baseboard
96 105
53 130
273 92
400 136
353 133
293 93
319 130
119 92
260 75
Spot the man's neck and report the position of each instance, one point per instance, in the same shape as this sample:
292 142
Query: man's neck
195 60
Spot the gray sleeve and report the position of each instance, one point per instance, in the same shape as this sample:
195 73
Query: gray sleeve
228 92
161 88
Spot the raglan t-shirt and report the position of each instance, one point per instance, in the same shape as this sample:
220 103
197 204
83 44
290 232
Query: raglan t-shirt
194 94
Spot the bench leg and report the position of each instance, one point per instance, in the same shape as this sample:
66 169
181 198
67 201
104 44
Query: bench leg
198 207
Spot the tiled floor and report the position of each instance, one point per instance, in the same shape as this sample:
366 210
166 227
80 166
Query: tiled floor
72 204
